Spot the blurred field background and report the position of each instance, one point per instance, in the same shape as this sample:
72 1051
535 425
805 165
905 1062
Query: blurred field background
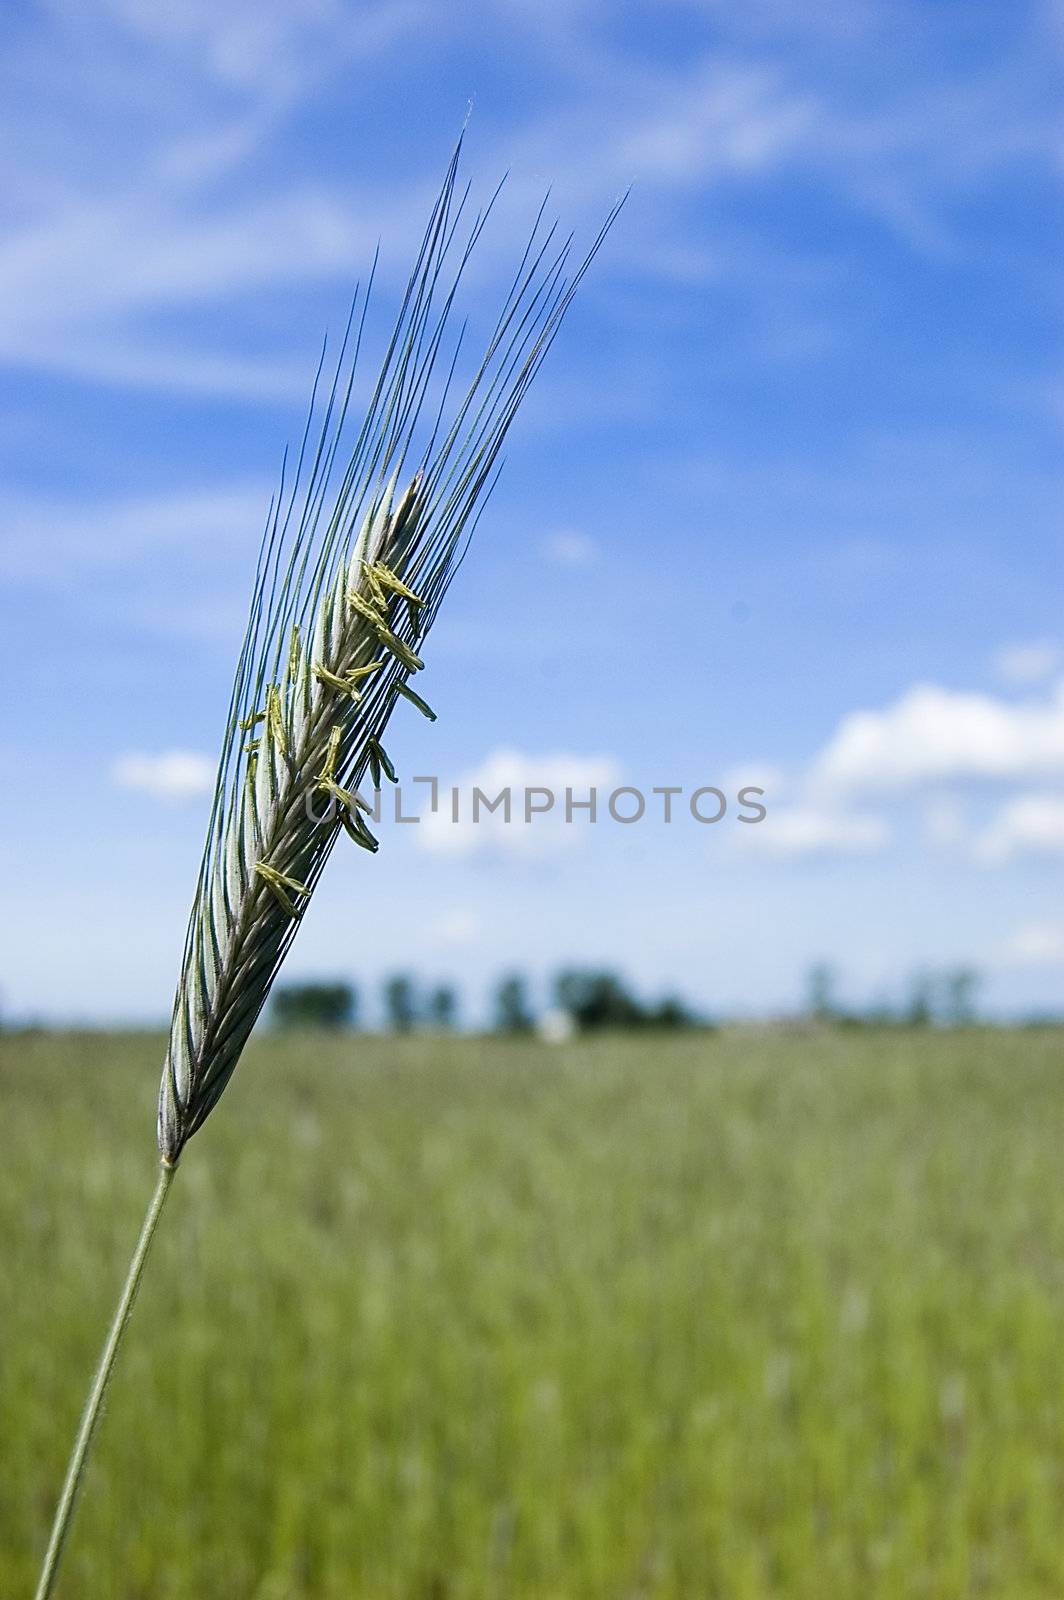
744 1314
762 1313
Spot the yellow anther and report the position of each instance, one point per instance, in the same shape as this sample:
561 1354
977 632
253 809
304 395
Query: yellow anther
338 792
386 578
278 884
334 681
364 608
275 719
328 771
380 599
401 651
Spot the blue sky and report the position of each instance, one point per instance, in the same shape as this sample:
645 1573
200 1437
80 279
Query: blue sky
783 508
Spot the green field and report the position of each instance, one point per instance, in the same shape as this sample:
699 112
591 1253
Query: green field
708 1316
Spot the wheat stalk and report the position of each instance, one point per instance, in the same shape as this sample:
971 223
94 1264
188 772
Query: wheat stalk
352 569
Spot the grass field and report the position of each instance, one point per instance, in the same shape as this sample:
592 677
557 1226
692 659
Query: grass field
725 1316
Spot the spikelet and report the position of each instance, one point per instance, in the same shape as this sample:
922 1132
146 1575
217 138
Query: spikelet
350 577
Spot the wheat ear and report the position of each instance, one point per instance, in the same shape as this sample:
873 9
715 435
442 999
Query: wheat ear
352 569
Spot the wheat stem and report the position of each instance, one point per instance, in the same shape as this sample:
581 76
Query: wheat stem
94 1404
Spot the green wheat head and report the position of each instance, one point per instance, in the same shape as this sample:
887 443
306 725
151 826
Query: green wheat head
355 560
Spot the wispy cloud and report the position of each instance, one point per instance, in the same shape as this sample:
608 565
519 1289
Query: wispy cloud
55 542
262 46
804 832
261 51
95 266
571 548
171 776
1037 944
1028 825
165 567
179 210
147 207
743 110
456 928
671 133
724 119
1033 662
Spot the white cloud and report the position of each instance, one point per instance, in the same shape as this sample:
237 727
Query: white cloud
1037 944
172 775
755 775
932 744
801 832
456 928
934 735
1029 824
1028 663
518 773
570 548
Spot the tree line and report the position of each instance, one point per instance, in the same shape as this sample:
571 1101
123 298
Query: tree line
584 1000
945 997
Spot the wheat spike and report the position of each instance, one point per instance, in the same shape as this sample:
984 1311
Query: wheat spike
351 574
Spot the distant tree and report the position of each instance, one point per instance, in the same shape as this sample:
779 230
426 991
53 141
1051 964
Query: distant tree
920 1010
672 1012
880 1012
400 1003
443 1006
597 1000
820 990
315 1005
513 1013
960 986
